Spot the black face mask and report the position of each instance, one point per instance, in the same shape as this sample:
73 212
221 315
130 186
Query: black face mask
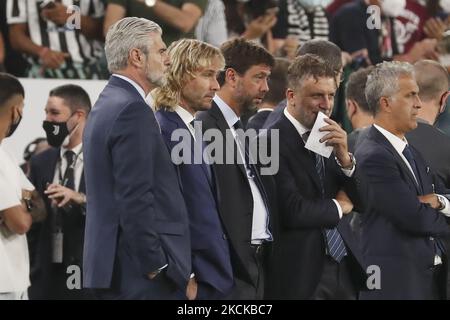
56 132
13 127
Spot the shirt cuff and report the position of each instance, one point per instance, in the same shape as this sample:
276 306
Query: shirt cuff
339 208
348 172
446 210
163 267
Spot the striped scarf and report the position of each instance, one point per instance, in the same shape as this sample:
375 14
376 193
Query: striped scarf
299 22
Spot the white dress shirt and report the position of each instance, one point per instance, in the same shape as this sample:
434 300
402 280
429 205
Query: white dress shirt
187 118
260 230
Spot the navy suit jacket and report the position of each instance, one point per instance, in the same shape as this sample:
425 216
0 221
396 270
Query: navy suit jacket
299 251
136 220
397 230
42 171
210 253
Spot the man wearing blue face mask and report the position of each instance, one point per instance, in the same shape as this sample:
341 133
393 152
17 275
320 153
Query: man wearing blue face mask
16 210
58 176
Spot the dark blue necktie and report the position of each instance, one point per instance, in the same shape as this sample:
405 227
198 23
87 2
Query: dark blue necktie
412 162
335 244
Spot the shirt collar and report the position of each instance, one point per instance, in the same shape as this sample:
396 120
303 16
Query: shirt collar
264 109
230 116
134 84
77 150
398 144
301 129
185 115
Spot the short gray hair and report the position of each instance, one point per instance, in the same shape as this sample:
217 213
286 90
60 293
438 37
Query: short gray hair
127 34
383 82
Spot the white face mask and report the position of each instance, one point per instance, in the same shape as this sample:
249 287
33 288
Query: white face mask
312 3
393 8
445 5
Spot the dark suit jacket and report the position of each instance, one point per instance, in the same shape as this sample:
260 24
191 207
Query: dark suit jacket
42 171
236 201
397 230
210 253
434 146
299 252
136 220
275 115
257 120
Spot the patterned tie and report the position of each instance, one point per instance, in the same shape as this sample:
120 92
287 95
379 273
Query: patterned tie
335 244
250 165
69 174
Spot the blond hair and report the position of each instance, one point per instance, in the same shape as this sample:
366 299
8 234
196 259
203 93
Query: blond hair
187 56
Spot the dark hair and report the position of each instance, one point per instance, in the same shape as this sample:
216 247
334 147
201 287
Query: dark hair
74 96
278 81
30 149
327 50
308 65
9 87
258 8
241 55
356 88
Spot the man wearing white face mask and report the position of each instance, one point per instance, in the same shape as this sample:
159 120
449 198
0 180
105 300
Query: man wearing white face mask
57 174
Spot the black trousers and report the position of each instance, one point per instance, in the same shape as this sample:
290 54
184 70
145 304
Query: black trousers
243 290
336 281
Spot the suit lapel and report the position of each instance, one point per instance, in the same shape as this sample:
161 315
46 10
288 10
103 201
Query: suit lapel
380 138
230 145
297 146
179 124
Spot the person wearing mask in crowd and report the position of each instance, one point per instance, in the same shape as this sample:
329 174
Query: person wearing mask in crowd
191 84
58 176
19 204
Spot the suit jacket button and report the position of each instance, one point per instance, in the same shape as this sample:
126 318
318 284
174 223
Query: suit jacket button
431 238
224 236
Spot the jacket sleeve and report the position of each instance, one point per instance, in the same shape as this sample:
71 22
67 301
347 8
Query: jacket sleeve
132 142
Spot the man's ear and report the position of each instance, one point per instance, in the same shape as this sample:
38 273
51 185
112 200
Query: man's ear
136 58
443 102
231 77
290 96
351 108
385 104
